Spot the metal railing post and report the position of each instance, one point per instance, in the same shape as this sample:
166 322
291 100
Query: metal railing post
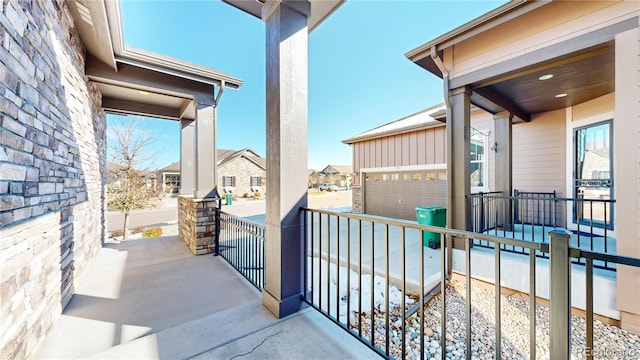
560 294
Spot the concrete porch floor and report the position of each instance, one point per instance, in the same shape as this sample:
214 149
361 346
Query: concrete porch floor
152 299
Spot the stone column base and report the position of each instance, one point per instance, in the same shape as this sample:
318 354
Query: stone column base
196 223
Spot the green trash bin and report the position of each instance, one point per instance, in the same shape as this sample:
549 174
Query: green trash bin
435 216
229 199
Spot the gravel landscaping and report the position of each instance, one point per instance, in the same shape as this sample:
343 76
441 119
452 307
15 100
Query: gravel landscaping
610 342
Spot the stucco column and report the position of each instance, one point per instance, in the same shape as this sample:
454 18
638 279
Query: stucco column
286 46
503 168
458 161
187 157
205 151
626 132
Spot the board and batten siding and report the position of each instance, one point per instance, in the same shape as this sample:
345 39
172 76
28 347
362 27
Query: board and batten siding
539 162
420 147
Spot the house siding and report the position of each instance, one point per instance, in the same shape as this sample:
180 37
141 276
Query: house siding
52 170
242 169
539 153
547 25
421 147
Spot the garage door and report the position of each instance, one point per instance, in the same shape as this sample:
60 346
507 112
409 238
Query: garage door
396 194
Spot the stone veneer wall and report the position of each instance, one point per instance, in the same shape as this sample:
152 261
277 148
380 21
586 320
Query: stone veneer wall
243 169
356 198
52 162
196 223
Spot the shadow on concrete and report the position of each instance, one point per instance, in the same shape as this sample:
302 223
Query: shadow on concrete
139 287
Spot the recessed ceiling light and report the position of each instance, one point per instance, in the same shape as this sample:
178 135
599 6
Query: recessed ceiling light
142 92
545 77
561 95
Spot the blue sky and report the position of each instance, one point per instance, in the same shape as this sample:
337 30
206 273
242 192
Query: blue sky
359 77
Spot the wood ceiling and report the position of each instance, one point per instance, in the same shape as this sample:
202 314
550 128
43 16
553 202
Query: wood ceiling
582 76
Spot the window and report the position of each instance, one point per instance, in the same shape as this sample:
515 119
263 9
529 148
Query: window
430 176
478 167
406 177
228 181
255 181
417 176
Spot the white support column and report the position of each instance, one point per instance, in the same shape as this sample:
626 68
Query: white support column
205 151
286 46
458 161
187 157
503 168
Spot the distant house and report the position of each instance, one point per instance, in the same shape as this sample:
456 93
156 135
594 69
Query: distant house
114 174
402 164
338 174
241 172
169 177
315 178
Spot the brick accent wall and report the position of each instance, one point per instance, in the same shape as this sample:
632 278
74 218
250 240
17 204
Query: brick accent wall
52 166
243 169
196 223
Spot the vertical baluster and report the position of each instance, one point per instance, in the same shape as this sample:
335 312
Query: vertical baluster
421 299
329 265
348 272
404 289
467 251
591 224
359 278
373 274
497 304
532 304
386 289
320 261
337 268
589 314
605 239
312 279
443 290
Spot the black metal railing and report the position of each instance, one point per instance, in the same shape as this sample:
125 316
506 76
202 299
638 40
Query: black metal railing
360 268
481 207
528 216
241 244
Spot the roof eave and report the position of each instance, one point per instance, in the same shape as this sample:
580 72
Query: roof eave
423 126
422 54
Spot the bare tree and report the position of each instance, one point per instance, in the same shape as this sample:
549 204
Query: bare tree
129 144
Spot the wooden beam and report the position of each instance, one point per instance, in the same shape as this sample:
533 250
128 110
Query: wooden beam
504 103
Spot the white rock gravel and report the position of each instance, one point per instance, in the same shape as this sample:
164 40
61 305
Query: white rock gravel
610 342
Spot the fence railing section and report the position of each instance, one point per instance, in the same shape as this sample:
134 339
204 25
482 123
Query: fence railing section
241 244
368 275
528 216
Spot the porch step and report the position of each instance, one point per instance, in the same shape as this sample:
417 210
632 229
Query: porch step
249 331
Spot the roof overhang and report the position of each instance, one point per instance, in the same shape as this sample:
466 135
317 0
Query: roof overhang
320 9
562 74
134 81
422 54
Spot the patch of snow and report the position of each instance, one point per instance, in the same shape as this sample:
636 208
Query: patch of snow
334 299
